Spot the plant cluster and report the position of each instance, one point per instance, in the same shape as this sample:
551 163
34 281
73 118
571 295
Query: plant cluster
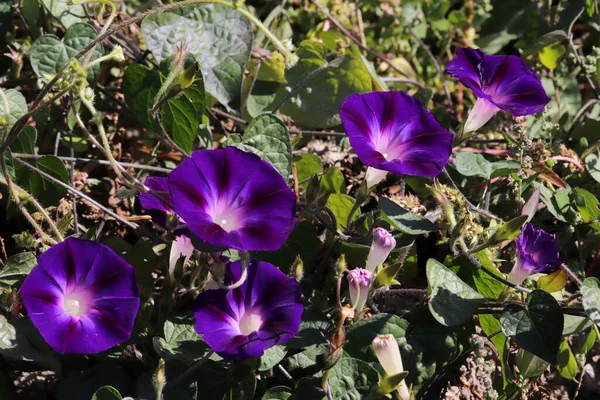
208 199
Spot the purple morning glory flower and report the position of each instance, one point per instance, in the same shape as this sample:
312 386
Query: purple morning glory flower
392 131
149 201
500 83
82 297
537 251
233 199
261 313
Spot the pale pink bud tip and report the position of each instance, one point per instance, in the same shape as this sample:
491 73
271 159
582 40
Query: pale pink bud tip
359 281
383 238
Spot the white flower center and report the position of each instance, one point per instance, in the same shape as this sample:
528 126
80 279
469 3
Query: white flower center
74 306
229 219
250 322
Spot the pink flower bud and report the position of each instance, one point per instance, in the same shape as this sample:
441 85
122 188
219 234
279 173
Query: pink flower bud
359 281
383 244
388 353
181 247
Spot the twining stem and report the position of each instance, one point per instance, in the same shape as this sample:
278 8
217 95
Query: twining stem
110 19
467 202
449 212
96 161
17 200
14 131
14 188
97 119
93 202
571 274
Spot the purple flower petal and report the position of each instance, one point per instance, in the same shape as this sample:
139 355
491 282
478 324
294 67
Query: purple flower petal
242 323
82 297
506 81
537 251
233 199
149 201
392 131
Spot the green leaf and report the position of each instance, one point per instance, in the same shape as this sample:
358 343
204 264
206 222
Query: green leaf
140 85
312 326
341 204
590 7
77 37
403 220
65 13
272 357
491 325
268 137
16 268
530 365
351 379
8 334
181 341
180 115
536 328
390 383
530 207
551 55
553 282
22 343
317 101
590 290
303 242
48 55
215 382
47 193
566 364
587 205
475 164
6 15
141 256
575 324
332 181
25 141
360 335
107 393
590 341
424 95
217 36
592 163
451 300
307 165
507 231
278 393
12 106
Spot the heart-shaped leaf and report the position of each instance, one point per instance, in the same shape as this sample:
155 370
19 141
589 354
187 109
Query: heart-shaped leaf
452 301
217 36
537 327
268 137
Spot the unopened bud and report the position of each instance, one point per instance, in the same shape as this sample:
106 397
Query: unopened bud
298 269
160 378
291 60
181 247
383 244
359 281
388 353
88 94
117 54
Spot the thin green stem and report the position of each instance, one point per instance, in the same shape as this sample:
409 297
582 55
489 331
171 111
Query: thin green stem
17 200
